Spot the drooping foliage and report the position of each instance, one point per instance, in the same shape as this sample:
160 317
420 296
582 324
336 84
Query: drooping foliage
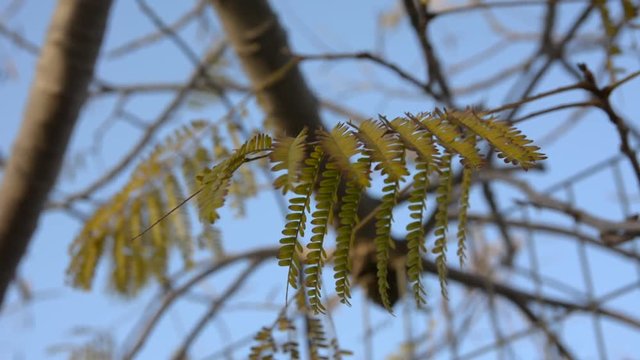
443 198
288 154
122 227
420 141
326 198
337 166
387 153
299 206
465 186
342 146
214 183
507 140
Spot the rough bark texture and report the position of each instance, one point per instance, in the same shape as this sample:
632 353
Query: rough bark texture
261 44
59 89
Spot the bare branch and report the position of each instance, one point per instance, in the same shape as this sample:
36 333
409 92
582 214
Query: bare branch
629 227
149 39
363 55
498 4
156 312
181 353
147 136
20 41
602 95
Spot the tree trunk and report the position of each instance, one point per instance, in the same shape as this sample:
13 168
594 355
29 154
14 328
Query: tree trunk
261 44
59 89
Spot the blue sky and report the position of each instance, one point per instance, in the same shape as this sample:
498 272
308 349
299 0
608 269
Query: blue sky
313 27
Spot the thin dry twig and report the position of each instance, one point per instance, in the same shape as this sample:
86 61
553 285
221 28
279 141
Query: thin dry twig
603 102
215 307
629 227
363 55
157 35
485 5
161 306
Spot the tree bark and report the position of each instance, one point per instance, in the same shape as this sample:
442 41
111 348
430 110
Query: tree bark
261 44
59 89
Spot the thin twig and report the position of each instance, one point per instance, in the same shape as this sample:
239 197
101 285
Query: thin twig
363 55
604 103
519 103
20 41
161 306
188 340
159 34
496 5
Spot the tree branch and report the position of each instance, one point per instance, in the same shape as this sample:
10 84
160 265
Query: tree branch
161 306
159 34
181 353
65 69
630 227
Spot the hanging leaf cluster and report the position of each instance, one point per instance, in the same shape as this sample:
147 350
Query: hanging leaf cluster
323 173
337 169
122 227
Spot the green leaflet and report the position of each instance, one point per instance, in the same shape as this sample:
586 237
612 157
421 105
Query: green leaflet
212 192
442 220
383 242
288 154
265 347
120 276
130 269
158 236
138 263
243 186
382 148
341 145
84 259
348 217
420 141
299 205
211 239
387 152
605 17
215 182
450 137
465 187
179 221
191 167
510 143
326 198
416 234
415 138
